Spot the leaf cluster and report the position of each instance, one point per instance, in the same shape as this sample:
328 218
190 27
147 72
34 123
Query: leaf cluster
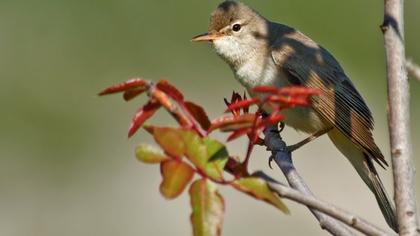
189 158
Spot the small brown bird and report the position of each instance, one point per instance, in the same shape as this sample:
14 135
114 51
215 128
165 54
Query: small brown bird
261 52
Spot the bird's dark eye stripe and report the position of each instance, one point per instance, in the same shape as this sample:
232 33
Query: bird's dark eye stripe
236 27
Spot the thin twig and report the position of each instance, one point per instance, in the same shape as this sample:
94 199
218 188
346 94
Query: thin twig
283 159
399 118
412 69
337 213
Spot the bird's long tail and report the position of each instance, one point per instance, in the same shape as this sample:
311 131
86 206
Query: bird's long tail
376 186
366 170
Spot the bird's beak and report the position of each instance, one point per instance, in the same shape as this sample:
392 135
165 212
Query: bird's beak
206 37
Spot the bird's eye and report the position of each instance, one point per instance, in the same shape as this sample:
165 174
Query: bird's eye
236 27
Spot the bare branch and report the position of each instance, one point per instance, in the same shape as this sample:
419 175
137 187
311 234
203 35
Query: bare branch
412 69
283 159
346 217
399 118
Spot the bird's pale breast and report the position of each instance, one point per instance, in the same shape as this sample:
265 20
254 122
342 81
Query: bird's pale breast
263 71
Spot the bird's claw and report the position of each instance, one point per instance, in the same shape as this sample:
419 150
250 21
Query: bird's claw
281 126
270 160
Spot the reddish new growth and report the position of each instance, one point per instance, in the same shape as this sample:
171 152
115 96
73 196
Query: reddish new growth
193 117
270 101
189 152
161 94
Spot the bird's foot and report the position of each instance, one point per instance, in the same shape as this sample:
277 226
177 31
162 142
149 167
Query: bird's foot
270 160
314 136
281 126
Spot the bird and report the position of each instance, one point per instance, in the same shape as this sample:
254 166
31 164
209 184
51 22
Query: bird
265 53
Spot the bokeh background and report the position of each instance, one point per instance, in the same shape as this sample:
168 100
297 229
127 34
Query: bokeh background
66 165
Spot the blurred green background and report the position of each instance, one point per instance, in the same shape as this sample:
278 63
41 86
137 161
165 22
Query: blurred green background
66 165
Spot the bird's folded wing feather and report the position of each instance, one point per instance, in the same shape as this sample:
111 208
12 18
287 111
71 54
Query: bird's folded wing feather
307 64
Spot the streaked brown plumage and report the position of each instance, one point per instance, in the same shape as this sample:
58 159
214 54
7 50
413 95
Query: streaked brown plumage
340 104
261 52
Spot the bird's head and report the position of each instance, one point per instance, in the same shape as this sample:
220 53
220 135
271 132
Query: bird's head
236 31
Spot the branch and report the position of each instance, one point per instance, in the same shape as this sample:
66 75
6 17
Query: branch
399 118
339 214
326 213
283 159
412 69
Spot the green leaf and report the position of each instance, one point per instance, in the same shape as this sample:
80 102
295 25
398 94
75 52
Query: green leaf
196 151
209 156
208 208
148 154
206 154
170 139
258 188
176 176
217 157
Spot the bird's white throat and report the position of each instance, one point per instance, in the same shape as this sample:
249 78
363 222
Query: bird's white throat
252 67
232 50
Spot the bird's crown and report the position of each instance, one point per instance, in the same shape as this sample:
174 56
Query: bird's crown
227 13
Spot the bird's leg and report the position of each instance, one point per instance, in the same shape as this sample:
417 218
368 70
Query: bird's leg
280 128
314 136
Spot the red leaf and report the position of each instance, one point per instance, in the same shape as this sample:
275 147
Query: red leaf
230 122
167 103
235 97
242 104
199 114
299 90
290 90
272 119
130 94
226 101
142 115
289 100
238 133
130 84
246 109
277 99
176 176
170 90
235 167
253 132
162 98
265 89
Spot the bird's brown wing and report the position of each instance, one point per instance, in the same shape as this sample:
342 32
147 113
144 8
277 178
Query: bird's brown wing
306 63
